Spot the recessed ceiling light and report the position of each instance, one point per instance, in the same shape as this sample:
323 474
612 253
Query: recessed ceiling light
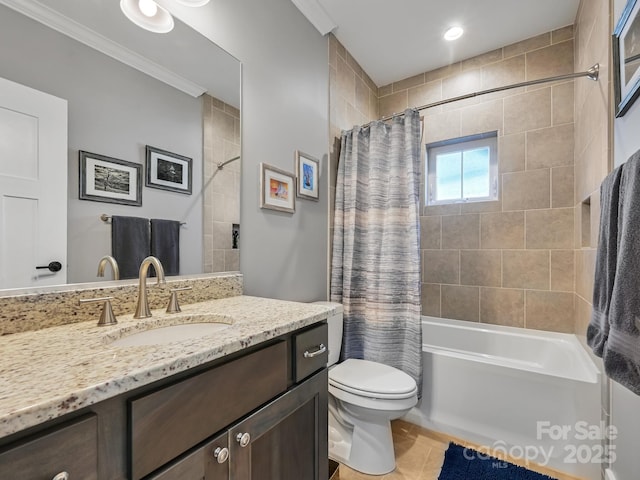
453 33
147 14
193 3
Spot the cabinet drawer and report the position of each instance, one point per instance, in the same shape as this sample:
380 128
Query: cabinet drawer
70 448
200 464
310 351
169 422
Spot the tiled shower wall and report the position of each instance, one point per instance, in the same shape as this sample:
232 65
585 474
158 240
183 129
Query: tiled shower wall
221 190
353 100
508 262
592 146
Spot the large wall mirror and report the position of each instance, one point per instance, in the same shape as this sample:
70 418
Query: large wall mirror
126 89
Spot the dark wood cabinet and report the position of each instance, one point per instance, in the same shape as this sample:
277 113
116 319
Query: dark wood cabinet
259 414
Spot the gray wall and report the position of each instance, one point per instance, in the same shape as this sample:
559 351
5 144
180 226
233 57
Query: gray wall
624 404
284 108
114 111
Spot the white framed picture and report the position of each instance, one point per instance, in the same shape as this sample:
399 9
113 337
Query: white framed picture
277 189
110 180
307 168
168 171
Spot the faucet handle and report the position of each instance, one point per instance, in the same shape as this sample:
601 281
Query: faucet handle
174 306
107 316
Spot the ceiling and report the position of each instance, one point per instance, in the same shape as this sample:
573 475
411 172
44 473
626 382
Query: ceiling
394 40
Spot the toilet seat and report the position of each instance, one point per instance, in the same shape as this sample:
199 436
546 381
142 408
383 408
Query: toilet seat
372 380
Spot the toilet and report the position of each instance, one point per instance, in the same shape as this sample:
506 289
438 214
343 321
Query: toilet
364 397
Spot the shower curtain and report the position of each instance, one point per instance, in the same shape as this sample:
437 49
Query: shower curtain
376 243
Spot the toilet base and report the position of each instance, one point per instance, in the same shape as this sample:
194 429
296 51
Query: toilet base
366 447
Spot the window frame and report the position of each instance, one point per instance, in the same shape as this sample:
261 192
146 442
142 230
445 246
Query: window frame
460 144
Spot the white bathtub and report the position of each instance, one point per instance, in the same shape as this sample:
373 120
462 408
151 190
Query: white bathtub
492 385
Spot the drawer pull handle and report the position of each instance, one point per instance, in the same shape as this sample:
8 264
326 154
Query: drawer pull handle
319 351
61 476
221 454
243 439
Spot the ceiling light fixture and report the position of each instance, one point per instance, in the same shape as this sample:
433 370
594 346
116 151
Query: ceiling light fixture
453 33
193 3
147 14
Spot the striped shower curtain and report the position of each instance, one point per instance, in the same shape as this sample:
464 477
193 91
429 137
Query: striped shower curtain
376 243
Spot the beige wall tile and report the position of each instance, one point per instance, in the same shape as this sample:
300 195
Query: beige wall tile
503 73
362 96
562 34
549 228
550 147
525 269
394 103
460 303
451 209
562 270
526 190
430 232
527 45
502 230
385 90
585 272
549 311
481 118
550 61
467 82
562 103
346 81
481 60
431 299
232 260
562 187
528 111
442 126
481 267
441 266
461 231
502 306
511 153
594 218
425 94
442 72
408 82
481 207
583 310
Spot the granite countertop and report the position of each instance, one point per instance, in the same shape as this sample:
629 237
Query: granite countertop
47 373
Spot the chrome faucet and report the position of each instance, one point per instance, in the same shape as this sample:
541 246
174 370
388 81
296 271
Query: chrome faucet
142 309
114 266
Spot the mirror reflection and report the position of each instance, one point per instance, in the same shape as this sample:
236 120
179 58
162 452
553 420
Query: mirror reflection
187 104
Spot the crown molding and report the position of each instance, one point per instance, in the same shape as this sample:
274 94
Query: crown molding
83 34
316 15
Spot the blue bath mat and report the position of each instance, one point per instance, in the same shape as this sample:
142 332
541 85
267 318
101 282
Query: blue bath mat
462 463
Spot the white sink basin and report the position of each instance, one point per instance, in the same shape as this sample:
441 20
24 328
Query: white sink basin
169 334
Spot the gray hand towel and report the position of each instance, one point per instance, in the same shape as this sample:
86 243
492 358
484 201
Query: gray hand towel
622 348
165 244
130 243
606 257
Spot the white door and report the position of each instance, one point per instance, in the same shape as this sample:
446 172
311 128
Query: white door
33 187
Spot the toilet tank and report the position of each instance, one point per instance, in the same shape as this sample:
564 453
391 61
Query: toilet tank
334 322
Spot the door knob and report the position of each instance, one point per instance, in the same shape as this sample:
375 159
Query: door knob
53 267
221 454
243 439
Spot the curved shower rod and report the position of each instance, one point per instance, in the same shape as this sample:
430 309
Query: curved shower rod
592 74
222 164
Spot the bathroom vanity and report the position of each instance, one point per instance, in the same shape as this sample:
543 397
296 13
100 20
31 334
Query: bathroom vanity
249 402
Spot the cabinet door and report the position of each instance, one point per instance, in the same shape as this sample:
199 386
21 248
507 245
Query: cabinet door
286 439
209 462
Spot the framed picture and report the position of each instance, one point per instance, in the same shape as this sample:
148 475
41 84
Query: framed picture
307 168
110 180
277 189
626 57
168 171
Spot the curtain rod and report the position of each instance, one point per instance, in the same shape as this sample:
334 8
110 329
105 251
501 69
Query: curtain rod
592 74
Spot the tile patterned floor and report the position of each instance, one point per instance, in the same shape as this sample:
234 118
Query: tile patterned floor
419 456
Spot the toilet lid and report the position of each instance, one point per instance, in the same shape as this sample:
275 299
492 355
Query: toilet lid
372 379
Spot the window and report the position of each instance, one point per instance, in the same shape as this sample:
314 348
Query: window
462 170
